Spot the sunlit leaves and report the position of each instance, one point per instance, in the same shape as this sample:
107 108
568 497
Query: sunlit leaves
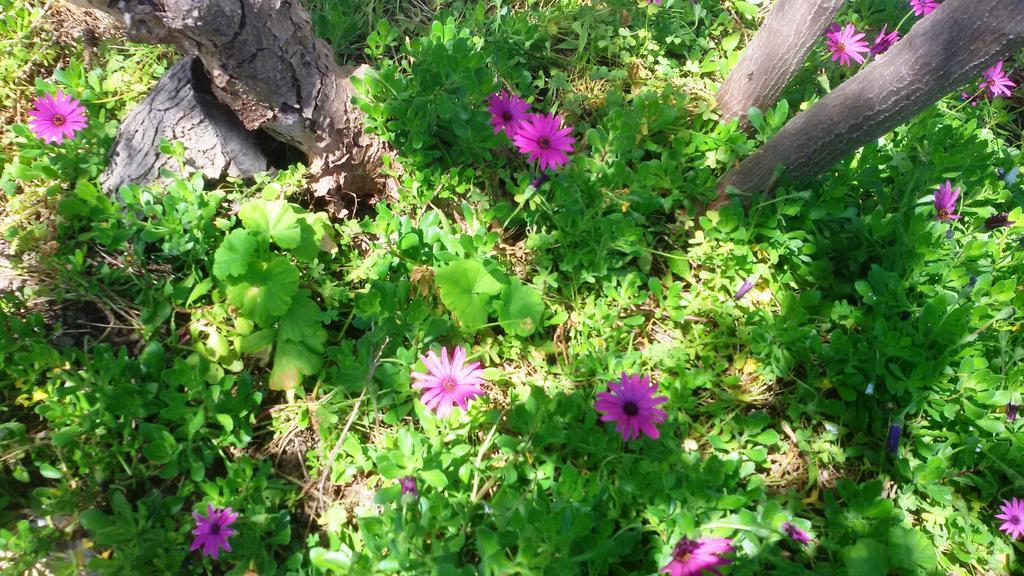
233 255
265 292
276 219
520 308
466 289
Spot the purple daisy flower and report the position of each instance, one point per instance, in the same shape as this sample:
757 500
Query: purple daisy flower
1000 220
449 381
545 140
892 443
631 403
796 533
212 532
57 117
884 41
923 7
408 484
747 285
693 557
1013 516
1011 411
945 202
996 81
847 44
507 111
832 29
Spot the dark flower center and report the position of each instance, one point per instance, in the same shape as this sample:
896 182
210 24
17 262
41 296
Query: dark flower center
841 47
506 116
1014 519
214 528
58 120
684 549
544 142
448 384
630 408
944 213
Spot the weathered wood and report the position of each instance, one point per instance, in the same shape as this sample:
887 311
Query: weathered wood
266 64
180 108
774 55
941 53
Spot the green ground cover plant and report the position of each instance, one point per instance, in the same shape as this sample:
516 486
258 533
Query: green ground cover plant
507 370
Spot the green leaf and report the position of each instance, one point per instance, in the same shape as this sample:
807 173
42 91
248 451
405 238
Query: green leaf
49 471
866 558
309 244
94 520
434 478
233 255
259 340
331 559
302 323
160 446
275 218
730 42
265 293
911 550
933 471
466 289
226 421
293 361
201 288
520 308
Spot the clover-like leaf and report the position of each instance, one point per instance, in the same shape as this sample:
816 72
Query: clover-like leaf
520 308
234 253
911 550
302 323
867 557
274 218
265 293
466 289
293 361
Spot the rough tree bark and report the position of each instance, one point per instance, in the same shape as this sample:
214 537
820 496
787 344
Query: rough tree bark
943 51
266 64
774 55
180 108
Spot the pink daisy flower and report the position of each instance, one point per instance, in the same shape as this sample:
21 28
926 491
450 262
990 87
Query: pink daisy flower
996 82
694 557
847 44
545 140
884 41
832 29
212 532
507 111
57 117
923 7
945 202
796 533
1013 514
449 381
631 403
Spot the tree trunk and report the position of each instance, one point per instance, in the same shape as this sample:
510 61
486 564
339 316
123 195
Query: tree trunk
181 108
774 56
945 50
265 63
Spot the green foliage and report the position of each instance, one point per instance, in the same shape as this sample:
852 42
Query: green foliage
263 286
428 102
195 343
